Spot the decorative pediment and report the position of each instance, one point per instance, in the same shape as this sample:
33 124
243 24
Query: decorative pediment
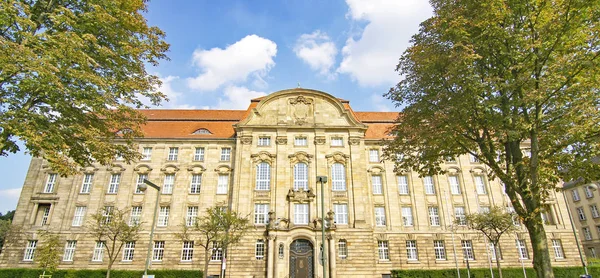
223 169
169 169
301 109
263 156
477 170
381 237
438 236
453 170
115 168
281 140
337 157
300 196
320 140
376 170
410 237
196 169
142 168
300 157
88 169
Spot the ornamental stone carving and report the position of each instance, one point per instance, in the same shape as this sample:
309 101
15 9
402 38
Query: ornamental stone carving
301 109
281 140
196 169
319 140
337 157
169 169
142 169
263 156
300 157
246 140
300 196
354 141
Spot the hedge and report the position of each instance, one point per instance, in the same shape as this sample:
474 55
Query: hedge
97 273
567 272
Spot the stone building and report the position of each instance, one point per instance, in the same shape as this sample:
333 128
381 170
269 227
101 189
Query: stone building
263 162
584 204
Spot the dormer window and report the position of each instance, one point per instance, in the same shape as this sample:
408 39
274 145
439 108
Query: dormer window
202 131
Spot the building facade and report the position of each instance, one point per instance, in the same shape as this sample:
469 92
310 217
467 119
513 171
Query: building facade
585 210
263 162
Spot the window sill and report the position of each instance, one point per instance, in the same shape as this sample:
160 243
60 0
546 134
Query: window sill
126 262
84 193
441 261
26 262
186 262
111 193
96 262
413 262
385 262
201 160
66 262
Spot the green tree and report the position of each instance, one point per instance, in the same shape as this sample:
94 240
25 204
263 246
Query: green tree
71 73
48 253
493 224
112 228
513 83
8 216
232 227
9 233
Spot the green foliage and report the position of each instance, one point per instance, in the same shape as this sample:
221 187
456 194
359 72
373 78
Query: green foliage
88 273
493 223
8 216
489 78
485 273
72 71
9 233
47 255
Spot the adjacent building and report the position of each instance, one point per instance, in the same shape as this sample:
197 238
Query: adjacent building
584 204
263 162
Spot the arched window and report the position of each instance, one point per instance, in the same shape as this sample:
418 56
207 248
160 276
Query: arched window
260 249
281 250
301 176
338 177
342 249
263 176
202 131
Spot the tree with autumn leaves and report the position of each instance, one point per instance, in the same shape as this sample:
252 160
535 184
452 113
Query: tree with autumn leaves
515 84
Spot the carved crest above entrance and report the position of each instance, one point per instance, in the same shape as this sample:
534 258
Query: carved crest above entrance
300 196
301 109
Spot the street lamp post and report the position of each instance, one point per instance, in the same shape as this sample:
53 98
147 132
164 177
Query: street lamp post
566 186
143 188
322 180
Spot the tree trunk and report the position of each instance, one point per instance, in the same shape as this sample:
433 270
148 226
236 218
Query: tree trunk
206 260
541 258
108 269
496 247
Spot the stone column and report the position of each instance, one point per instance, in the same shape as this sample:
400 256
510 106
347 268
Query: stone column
271 257
332 257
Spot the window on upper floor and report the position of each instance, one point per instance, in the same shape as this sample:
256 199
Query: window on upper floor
380 220
264 141
300 141
113 186
225 154
402 185
338 177
261 214
454 185
480 185
195 184
173 153
301 176
429 185
337 142
147 153
301 214
199 154
373 155
50 182
377 185
263 176
140 182
86 185
223 184
340 214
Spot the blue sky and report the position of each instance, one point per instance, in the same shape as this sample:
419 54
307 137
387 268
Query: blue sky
223 53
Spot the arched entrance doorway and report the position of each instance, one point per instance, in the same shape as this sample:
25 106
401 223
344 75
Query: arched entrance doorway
301 259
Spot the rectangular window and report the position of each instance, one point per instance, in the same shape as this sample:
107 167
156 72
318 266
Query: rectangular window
49 188
380 216
136 215
459 216
69 250
342 249
492 250
594 210
454 185
588 192
575 193
259 252
377 186
107 214
467 247
168 184
522 249
301 214
140 182
341 214
261 214
30 250
480 185
79 216
373 155
301 176
402 185
187 252
439 249
592 252
434 216
45 215
128 251
473 158
547 215
338 177
199 154
263 176
337 142
147 153
300 141
558 250
225 154
587 234
163 216
407 217
173 153
217 252
411 250
428 183
223 184
113 186
158 251
98 255
196 184
581 214
264 141
191 216
383 250
86 185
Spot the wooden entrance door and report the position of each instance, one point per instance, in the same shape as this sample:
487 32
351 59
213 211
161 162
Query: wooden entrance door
301 259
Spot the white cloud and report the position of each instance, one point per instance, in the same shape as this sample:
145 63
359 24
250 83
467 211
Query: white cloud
11 193
175 97
380 103
9 198
372 58
250 56
318 51
237 97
